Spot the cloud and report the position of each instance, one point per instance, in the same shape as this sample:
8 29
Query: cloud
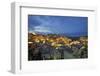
42 29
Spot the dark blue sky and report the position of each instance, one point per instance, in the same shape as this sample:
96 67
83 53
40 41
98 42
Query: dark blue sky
69 25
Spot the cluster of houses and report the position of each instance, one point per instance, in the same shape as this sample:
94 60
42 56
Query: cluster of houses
46 47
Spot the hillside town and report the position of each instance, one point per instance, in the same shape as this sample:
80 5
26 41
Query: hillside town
53 46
